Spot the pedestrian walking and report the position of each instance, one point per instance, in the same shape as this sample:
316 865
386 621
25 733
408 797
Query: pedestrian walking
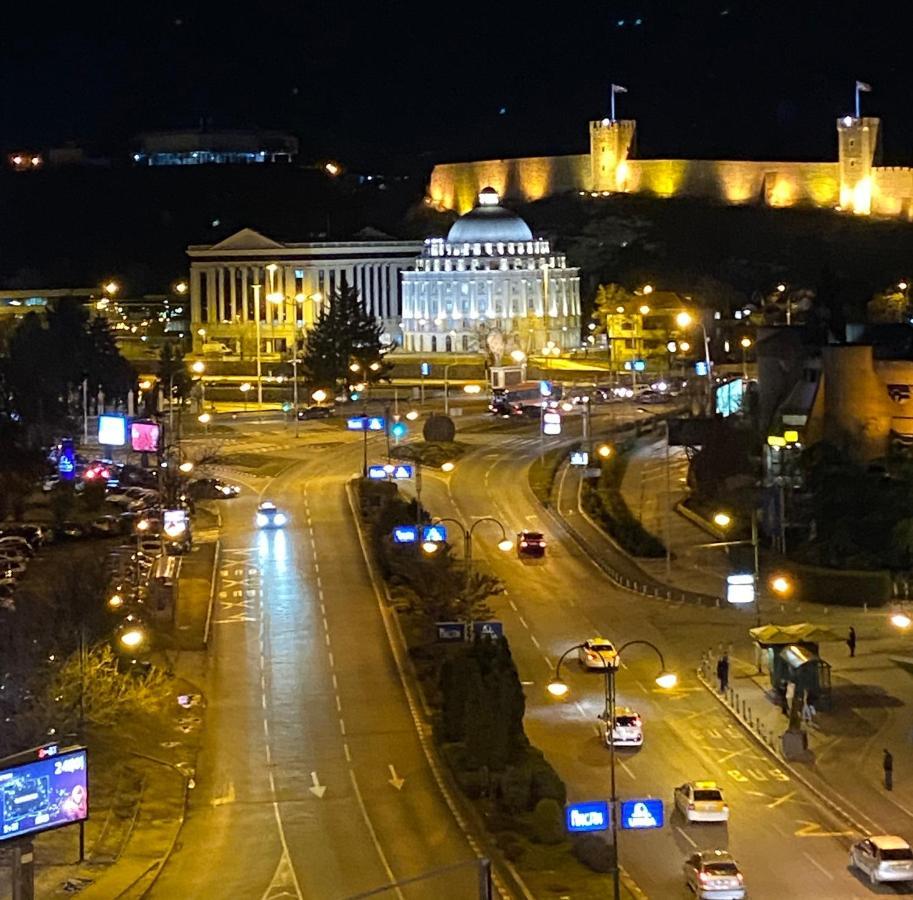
888 764
722 672
851 641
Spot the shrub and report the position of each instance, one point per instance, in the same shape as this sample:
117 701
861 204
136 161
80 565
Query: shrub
547 784
548 822
516 788
511 846
594 853
439 429
474 783
840 587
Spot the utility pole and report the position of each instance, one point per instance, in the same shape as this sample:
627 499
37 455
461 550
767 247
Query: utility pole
256 288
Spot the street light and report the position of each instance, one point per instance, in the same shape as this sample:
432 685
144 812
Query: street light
505 545
724 520
559 688
901 620
319 395
111 288
781 585
605 450
245 387
447 466
518 356
472 389
186 467
412 415
745 343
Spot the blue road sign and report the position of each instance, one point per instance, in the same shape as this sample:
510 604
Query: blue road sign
492 630
356 423
642 814
399 429
377 472
637 365
436 533
545 389
700 367
405 534
450 632
376 423
401 472
580 458
426 368
592 816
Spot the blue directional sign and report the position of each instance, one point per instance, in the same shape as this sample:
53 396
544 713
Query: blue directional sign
66 462
376 423
426 368
491 630
700 367
450 632
436 533
399 429
592 816
580 458
545 389
405 534
642 814
356 423
402 472
638 365
377 472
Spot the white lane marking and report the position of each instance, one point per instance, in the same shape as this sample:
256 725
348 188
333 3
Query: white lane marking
373 833
532 637
335 683
580 708
327 638
548 662
332 661
513 605
523 622
627 769
266 727
686 836
338 704
269 756
348 752
817 865
323 609
342 726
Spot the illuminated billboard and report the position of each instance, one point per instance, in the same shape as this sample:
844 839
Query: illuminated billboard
729 397
144 437
44 793
112 431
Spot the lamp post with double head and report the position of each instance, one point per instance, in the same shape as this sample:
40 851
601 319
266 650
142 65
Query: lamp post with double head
559 688
505 545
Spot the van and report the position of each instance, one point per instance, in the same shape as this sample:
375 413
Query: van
216 347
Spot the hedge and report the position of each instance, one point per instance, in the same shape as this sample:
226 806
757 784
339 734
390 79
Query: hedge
839 587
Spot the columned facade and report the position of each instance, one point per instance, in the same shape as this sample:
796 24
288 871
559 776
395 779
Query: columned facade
296 280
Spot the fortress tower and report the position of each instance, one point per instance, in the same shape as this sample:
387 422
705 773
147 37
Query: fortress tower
858 149
610 144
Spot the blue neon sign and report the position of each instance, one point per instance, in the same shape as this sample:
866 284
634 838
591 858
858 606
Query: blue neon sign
642 814
592 816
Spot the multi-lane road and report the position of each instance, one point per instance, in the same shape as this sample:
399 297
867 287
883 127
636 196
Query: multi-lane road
307 713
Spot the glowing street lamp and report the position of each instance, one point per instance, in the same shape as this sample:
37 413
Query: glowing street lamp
198 367
181 287
644 310
683 319
901 620
186 467
111 288
204 418
472 389
447 466
518 356
722 519
319 395
412 415
430 547
506 545
605 450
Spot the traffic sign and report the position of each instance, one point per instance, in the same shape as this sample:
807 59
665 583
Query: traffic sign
545 389
435 533
450 632
592 816
740 588
377 472
376 423
551 423
356 423
700 367
642 814
405 534
402 472
492 630
426 368
399 430
580 458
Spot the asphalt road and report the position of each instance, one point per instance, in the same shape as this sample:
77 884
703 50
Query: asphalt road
308 729
787 845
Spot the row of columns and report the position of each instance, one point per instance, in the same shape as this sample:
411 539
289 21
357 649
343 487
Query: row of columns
229 297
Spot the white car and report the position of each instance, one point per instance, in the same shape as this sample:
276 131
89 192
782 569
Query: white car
714 874
883 857
701 801
10 568
597 653
20 544
269 516
628 730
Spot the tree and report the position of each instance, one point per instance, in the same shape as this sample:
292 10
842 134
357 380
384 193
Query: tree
608 298
344 347
890 306
173 372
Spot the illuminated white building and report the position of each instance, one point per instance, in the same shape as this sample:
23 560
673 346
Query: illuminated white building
490 284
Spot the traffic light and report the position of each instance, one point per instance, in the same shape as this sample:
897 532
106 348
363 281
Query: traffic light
399 430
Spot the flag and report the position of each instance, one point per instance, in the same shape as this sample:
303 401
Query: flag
618 89
860 86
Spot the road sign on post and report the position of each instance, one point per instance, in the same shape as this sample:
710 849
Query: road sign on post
490 630
402 472
740 588
435 533
551 423
642 814
378 473
450 632
376 423
405 534
355 423
592 816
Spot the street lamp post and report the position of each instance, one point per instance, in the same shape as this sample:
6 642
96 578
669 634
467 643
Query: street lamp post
447 388
256 288
504 545
745 343
558 688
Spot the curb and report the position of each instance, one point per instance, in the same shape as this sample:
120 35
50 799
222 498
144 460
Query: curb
511 886
212 591
769 748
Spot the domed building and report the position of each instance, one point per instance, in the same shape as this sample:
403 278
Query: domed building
490 285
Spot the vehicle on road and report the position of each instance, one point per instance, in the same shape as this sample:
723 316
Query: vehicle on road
701 801
269 516
531 544
108 525
315 412
651 396
524 399
212 489
883 857
628 730
597 653
715 875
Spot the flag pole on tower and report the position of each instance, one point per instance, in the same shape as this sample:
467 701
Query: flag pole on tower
860 87
616 89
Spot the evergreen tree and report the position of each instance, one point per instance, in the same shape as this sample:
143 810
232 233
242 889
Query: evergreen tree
173 372
344 347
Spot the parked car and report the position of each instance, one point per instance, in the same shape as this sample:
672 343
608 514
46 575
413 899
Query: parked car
11 568
883 857
212 489
34 534
17 542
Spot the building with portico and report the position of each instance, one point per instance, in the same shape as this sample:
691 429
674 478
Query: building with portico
490 285
295 281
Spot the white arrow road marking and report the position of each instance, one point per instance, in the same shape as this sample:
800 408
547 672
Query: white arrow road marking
284 883
227 797
317 789
395 780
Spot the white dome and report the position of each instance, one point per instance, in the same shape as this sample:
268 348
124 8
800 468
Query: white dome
489 222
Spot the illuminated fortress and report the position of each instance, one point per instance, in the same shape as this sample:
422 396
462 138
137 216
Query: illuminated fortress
854 183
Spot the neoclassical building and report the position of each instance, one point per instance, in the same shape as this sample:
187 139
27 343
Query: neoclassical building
295 282
490 285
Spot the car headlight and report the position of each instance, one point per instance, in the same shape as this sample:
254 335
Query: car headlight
279 519
262 521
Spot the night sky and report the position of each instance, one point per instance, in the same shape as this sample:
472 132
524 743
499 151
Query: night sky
402 85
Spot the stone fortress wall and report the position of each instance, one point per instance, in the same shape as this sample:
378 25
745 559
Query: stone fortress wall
852 183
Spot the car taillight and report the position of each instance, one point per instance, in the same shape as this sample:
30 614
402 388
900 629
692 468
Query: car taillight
523 544
738 875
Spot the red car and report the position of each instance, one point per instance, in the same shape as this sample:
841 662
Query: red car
531 544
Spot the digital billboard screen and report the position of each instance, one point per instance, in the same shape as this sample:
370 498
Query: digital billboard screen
43 794
729 397
144 437
112 431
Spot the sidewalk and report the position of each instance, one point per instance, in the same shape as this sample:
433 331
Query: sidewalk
138 814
